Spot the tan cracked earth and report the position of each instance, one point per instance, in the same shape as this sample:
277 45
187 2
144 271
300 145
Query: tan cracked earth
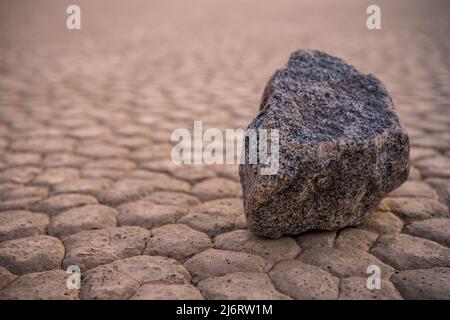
86 177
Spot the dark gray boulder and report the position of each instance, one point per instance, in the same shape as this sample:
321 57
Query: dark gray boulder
341 148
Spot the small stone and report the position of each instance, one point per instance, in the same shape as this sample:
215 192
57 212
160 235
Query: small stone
146 152
211 224
418 153
63 160
437 229
356 238
167 292
414 174
173 198
417 208
54 176
83 186
424 284
407 252
106 283
88 249
240 286
442 186
355 288
24 192
147 214
126 190
302 281
176 241
344 262
193 173
111 163
98 173
438 167
316 239
274 250
31 254
120 279
101 150
22 158
6 278
165 166
213 263
161 181
216 188
62 202
43 144
20 224
414 189
19 204
383 222
240 222
89 217
214 217
19 174
47 285
341 148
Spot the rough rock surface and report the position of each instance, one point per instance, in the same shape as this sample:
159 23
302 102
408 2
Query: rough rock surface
341 150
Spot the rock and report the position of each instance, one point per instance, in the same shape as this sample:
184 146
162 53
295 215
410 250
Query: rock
303 281
424 284
88 249
62 202
24 192
22 174
341 149
344 262
89 217
47 285
6 277
271 249
214 217
19 204
216 188
316 239
173 198
407 252
442 186
63 159
383 222
438 167
176 241
355 288
437 229
356 238
53 176
83 186
167 292
120 279
126 190
193 173
148 214
417 208
31 254
413 189
19 224
213 263
240 286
